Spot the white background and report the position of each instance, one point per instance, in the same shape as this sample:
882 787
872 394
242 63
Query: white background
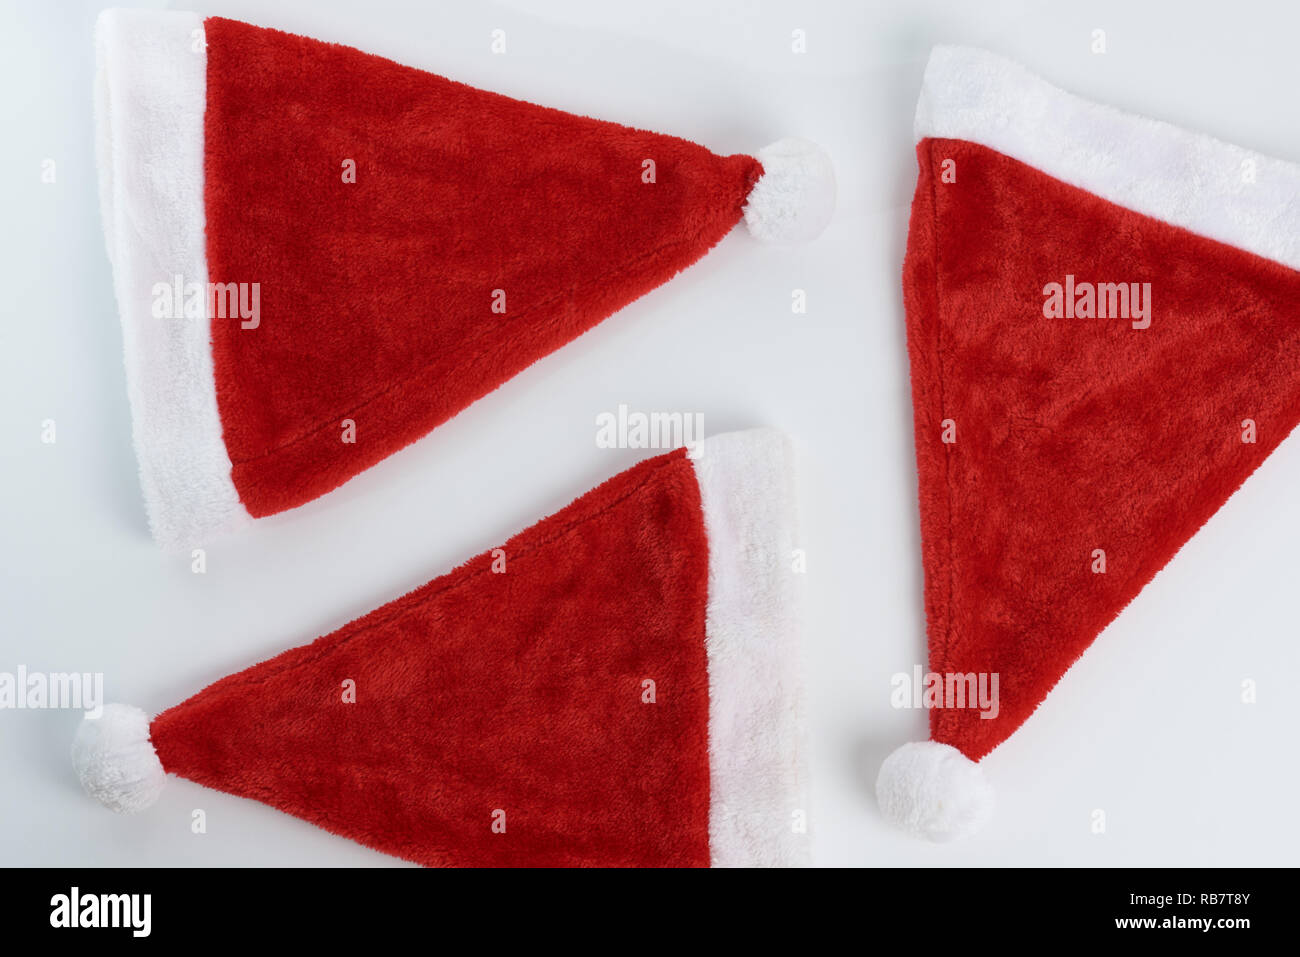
1148 726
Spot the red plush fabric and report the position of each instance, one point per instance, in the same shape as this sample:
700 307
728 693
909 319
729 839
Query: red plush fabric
519 691
1072 434
376 296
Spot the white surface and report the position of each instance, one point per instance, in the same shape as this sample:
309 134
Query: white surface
1147 727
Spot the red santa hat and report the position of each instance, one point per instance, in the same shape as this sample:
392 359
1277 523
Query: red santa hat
321 255
1103 335
617 685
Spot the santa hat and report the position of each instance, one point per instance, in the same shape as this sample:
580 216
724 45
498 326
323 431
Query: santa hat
1103 334
320 255
617 685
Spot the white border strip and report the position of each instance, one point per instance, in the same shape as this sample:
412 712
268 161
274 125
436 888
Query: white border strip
150 93
1186 179
757 749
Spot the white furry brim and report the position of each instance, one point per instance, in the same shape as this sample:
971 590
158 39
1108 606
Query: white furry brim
757 756
150 91
1223 192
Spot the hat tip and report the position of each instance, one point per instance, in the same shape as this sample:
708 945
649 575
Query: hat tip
115 760
793 200
934 791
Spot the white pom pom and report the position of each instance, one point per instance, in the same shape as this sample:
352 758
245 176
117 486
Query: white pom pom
115 760
794 198
934 791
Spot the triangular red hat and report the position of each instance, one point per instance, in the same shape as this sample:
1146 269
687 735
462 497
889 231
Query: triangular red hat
320 255
617 685
1102 328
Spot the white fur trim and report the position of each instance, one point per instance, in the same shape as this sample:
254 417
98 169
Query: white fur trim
794 198
116 761
756 710
150 90
934 791
1186 179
